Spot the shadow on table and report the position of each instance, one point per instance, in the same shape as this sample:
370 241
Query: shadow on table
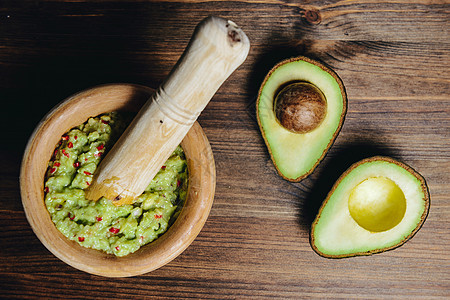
66 52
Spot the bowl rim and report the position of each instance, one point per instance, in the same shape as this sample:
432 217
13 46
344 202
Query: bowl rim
193 215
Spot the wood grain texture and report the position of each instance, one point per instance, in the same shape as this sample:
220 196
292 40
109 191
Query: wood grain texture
393 57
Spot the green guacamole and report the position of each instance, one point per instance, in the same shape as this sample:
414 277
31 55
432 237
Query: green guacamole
101 225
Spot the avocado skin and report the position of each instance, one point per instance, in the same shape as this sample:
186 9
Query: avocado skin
426 199
342 90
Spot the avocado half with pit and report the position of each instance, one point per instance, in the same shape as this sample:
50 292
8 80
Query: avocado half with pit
376 205
301 107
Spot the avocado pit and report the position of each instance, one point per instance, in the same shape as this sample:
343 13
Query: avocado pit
300 107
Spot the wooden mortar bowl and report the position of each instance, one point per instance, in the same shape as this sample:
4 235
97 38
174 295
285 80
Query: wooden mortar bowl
76 110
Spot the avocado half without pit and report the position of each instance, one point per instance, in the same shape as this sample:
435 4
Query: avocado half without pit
376 205
300 110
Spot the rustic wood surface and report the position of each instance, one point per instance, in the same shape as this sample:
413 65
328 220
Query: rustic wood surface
393 57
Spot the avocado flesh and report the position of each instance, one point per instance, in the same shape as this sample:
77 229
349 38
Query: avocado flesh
336 234
295 155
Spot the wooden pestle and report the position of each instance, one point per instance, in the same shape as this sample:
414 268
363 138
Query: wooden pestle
215 50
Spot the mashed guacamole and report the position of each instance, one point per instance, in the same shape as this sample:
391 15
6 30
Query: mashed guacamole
101 225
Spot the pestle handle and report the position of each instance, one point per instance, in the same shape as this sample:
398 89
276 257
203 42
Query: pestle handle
216 49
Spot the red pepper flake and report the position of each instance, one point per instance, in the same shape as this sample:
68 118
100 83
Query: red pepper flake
114 230
56 164
65 137
81 239
100 147
98 219
163 167
75 137
178 183
52 170
87 173
117 248
76 164
46 189
98 154
65 153
54 155
87 182
70 144
71 217
105 122
85 159
158 216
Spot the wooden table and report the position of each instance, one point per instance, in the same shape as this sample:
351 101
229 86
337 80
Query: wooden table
394 58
